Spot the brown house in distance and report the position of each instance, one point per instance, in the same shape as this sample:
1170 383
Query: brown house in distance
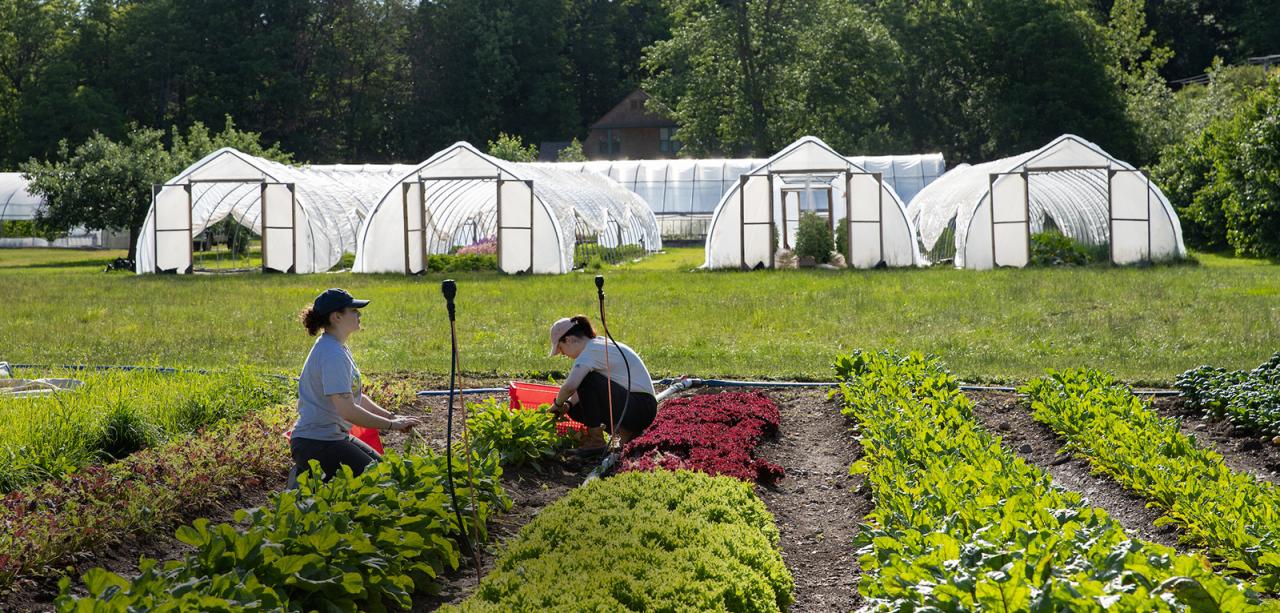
630 131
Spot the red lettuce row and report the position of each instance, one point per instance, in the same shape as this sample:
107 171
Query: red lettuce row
714 434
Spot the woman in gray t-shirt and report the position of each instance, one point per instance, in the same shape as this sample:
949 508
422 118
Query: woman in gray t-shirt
329 392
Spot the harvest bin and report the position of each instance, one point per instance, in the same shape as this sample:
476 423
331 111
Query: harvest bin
532 395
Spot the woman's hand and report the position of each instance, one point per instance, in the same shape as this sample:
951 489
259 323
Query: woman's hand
559 408
402 424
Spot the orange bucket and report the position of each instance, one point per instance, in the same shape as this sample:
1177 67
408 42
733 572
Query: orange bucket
532 395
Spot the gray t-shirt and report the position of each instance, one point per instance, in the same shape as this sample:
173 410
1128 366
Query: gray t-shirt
329 369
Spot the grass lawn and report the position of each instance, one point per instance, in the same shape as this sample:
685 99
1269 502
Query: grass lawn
1145 325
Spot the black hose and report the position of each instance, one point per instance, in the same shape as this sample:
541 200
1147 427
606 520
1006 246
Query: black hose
450 289
626 401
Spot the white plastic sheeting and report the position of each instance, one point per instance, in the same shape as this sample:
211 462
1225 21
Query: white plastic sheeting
809 175
695 187
1089 195
16 203
461 196
313 211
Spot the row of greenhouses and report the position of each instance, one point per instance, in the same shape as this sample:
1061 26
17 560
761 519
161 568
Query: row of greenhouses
893 211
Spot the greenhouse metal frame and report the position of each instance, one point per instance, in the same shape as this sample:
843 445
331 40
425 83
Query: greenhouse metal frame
879 231
461 196
1090 196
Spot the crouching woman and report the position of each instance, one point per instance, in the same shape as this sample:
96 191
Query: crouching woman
602 369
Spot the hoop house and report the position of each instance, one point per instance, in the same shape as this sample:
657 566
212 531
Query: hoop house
1090 196
536 214
683 193
760 214
16 203
307 216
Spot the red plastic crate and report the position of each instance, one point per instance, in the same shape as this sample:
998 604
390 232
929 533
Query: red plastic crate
532 395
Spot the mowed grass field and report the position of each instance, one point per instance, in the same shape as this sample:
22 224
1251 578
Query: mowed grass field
1145 325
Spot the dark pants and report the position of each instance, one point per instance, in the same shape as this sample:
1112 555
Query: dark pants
592 409
331 455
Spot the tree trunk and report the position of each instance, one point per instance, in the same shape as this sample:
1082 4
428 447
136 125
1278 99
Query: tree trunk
134 232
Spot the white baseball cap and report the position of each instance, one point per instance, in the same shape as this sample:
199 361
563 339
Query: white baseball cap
558 331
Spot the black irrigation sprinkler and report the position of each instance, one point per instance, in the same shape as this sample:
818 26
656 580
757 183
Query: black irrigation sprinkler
450 291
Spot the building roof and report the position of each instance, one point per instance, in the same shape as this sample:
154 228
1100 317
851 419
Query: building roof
633 112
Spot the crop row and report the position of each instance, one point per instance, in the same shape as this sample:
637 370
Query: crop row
354 543
961 523
43 524
711 433
116 413
1249 399
1232 513
643 541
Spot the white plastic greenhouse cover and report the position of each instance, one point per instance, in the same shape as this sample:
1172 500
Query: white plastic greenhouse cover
879 228
15 201
1091 197
691 187
315 209
454 199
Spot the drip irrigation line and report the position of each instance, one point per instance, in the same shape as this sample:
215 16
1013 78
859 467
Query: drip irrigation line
164 370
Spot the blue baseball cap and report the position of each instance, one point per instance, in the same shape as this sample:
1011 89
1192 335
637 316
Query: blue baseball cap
335 299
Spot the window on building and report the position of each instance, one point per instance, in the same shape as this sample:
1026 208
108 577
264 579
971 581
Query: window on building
667 142
610 143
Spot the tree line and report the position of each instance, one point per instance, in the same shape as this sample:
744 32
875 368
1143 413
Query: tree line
396 80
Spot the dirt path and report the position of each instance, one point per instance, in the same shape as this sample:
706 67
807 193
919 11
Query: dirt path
1000 413
815 507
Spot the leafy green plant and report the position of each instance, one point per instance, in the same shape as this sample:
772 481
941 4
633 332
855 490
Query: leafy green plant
963 524
677 541
1249 399
813 238
1053 248
461 262
116 413
354 543
519 437
842 239
42 525
1232 513
512 149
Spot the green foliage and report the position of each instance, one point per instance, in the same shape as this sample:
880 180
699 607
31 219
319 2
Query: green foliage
519 437
1135 64
1249 399
1053 248
45 526
354 543
961 523
456 263
512 149
593 256
643 541
1223 179
572 153
753 76
1232 513
22 228
813 238
116 413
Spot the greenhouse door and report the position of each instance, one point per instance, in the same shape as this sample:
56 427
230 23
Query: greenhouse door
172 239
794 200
756 243
1010 219
279 204
864 214
515 226
1129 210
413 208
